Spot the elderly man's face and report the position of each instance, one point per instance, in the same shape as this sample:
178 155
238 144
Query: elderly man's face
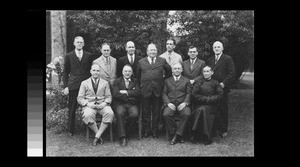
207 72
127 71
176 69
105 50
151 51
130 48
218 48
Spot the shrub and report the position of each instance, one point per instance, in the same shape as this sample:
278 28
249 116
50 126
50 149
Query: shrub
57 113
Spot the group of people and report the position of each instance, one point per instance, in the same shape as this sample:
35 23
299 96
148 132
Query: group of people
193 91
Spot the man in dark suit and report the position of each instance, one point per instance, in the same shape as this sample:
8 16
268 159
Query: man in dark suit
131 58
126 94
192 68
76 69
150 72
224 73
176 98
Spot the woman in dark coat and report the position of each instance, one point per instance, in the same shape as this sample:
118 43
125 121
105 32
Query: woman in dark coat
206 95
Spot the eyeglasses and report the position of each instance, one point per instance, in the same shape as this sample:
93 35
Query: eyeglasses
106 50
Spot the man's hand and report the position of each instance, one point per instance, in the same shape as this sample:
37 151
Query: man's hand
172 106
222 85
65 91
192 81
181 106
91 105
123 92
102 105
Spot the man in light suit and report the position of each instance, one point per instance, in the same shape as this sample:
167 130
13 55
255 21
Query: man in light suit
77 65
131 58
192 68
107 63
171 56
176 98
126 94
150 72
95 97
224 73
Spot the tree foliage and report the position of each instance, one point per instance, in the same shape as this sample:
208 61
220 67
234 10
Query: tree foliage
235 29
119 26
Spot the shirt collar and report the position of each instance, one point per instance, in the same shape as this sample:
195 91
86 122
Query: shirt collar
77 52
176 77
193 60
151 58
95 80
129 79
218 56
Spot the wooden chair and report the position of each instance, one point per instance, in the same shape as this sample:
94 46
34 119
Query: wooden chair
98 121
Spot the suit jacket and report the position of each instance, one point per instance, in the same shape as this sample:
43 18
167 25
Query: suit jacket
76 71
176 92
123 61
196 72
151 76
224 70
133 92
87 94
104 72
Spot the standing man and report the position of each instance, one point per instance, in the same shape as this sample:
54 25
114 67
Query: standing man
171 56
95 97
192 68
107 63
131 58
224 73
150 72
176 97
126 94
76 69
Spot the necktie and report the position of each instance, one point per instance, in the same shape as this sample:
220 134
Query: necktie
131 59
126 83
192 64
152 61
95 85
169 58
216 60
79 56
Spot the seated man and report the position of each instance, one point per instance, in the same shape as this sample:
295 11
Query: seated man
94 95
206 95
176 98
126 92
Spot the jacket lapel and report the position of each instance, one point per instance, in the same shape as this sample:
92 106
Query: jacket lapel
172 80
221 59
102 64
90 85
196 64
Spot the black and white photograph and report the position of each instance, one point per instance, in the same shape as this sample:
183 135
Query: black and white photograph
149 83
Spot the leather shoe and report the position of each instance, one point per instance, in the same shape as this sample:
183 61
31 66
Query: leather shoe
155 136
174 140
100 141
123 142
95 141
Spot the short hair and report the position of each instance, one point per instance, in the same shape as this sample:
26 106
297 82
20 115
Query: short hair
128 42
78 37
105 43
177 64
127 65
218 42
192 47
94 63
151 44
172 39
208 67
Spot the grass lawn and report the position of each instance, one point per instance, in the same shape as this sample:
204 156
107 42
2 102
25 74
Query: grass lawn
239 142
